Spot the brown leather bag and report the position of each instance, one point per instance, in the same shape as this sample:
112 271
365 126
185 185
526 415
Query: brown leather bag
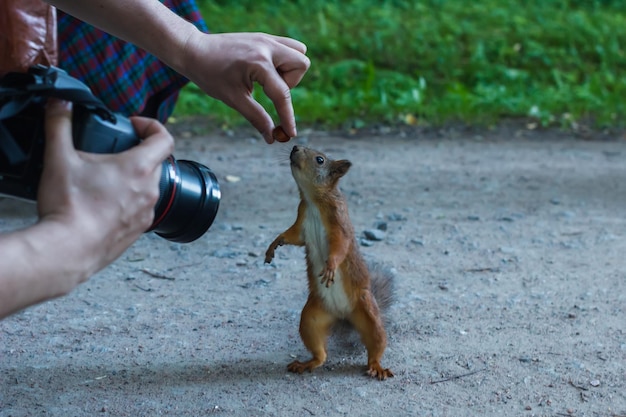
28 34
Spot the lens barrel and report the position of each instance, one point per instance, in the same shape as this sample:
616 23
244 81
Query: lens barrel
188 201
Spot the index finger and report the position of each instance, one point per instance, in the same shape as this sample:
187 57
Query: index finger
278 91
290 42
157 143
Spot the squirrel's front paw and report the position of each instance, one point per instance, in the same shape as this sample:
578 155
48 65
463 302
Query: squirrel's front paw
328 276
269 255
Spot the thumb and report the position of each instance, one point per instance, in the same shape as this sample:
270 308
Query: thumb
59 155
58 131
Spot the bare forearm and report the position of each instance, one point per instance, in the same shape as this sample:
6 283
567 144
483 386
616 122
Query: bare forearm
37 264
146 23
224 65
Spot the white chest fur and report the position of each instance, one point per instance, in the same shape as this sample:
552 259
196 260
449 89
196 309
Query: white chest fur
316 238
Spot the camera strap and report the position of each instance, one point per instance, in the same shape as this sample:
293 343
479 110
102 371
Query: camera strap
8 145
19 90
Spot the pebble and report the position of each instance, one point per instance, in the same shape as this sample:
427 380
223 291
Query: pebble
374 234
396 217
365 242
381 225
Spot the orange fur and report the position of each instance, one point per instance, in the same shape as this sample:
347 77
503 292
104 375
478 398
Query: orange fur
338 277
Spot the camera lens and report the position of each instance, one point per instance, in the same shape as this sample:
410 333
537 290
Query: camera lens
188 201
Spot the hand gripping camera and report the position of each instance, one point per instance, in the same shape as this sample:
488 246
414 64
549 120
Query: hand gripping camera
189 192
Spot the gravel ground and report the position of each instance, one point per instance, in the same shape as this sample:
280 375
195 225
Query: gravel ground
509 250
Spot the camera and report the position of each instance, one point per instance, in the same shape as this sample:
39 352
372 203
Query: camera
189 193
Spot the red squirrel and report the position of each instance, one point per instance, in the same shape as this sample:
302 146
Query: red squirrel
341 286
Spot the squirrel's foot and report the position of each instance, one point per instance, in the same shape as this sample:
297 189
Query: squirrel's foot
375 370
299 367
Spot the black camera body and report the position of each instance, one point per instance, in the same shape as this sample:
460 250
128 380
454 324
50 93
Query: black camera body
189 192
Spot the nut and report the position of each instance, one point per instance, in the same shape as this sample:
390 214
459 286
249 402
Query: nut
279 134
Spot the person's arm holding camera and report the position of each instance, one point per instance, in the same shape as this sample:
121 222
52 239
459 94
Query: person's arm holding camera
91 208
224 65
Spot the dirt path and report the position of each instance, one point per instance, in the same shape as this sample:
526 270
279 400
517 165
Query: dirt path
511 292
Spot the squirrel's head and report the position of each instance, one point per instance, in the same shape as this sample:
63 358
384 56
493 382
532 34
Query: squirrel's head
314 172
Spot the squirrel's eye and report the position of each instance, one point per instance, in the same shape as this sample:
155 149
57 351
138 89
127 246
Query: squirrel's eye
319 160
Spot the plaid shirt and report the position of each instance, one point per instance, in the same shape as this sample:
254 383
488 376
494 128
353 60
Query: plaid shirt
126 78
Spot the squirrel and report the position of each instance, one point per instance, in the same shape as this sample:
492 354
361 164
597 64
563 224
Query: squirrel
341 286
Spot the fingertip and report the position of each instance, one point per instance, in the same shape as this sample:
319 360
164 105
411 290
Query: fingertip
58 121
156 139
55 105
288 127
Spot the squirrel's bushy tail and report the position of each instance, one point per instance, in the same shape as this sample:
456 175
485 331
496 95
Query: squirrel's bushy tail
382 285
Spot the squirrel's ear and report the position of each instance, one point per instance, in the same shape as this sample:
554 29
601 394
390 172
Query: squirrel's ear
339 168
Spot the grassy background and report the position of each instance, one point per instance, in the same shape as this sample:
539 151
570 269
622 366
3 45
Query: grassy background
434 61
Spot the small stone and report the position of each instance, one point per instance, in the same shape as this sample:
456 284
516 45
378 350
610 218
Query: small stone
381 225
506 249
594 383
374 234
396 217
365 242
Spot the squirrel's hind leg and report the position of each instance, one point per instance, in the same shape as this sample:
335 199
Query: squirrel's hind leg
315 325
367 321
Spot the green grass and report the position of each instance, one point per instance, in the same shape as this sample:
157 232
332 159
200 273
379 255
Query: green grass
438 61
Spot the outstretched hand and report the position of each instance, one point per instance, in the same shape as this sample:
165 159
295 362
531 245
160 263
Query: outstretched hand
227 65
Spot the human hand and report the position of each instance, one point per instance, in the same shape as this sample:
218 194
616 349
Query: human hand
105 201
226 65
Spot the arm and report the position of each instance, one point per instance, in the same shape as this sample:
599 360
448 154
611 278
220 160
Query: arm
339 242
91 208
291 236
224 65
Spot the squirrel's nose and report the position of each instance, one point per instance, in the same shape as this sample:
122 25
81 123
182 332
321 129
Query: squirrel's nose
294 150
